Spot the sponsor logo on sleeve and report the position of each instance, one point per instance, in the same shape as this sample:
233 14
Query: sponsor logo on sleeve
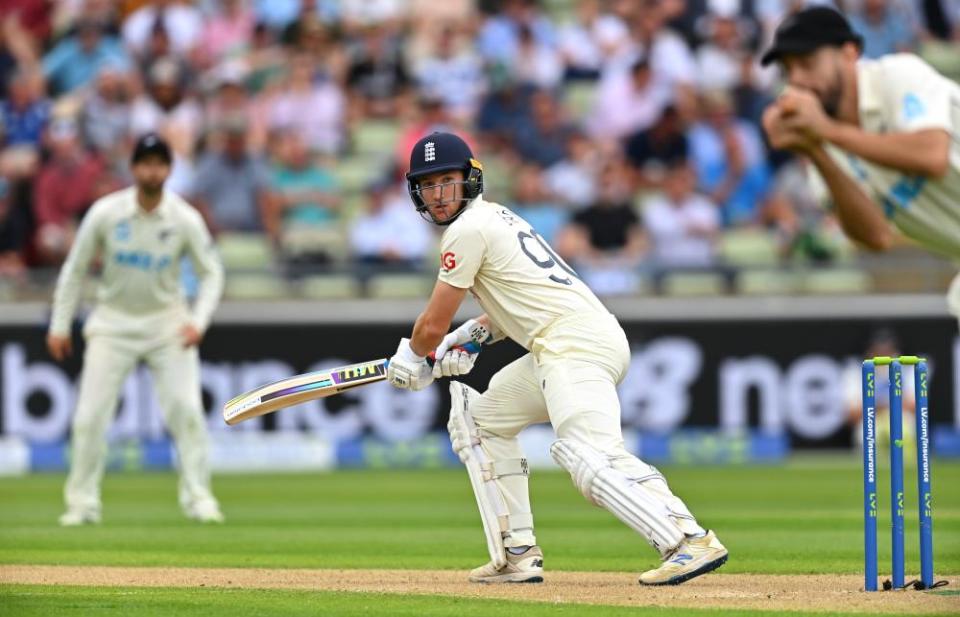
913 107
448 261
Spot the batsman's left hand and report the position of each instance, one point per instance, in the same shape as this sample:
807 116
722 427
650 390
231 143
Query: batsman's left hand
407 370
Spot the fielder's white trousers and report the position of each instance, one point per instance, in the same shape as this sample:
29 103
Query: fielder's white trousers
107 361
568 379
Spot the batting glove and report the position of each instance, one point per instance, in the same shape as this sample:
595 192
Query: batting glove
453 363
470 332
407 370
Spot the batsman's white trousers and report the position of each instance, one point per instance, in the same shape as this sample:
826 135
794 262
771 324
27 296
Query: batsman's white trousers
107 361
568 379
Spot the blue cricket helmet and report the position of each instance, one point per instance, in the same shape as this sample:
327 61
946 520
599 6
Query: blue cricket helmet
443 152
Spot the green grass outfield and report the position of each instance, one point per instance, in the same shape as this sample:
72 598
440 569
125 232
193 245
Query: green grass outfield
802 518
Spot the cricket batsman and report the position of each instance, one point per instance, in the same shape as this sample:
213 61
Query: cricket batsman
883 135
140 234
577 354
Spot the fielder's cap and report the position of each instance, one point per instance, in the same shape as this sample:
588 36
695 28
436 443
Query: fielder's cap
439 152
809 30
151 144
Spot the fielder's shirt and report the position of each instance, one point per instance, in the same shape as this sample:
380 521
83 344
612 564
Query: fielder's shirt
902 93
516 277
140 253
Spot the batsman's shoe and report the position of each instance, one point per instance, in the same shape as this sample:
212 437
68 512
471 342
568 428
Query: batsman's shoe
75 517
524 568
204 512
693 557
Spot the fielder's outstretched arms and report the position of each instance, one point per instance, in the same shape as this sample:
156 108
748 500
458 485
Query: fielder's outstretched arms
578 353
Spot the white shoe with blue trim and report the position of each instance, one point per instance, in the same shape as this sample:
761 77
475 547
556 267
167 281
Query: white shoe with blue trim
693 557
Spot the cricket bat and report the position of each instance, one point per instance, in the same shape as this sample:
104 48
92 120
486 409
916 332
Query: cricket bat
310 386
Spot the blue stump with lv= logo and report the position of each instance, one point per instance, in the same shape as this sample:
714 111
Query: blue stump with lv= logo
925 508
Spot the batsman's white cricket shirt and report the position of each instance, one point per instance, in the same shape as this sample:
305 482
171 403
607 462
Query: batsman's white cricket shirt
140 253
521 283
902 93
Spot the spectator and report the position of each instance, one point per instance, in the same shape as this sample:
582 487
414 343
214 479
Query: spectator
24 115
76 59
543 140
314 108
649 151
181 23
883 342
64 188
278 14
725 62
377 78
730 160
227 33
536 64
499 36
228 101
358 14
505 110
387 233
627 101
588 42
454 74
266 61
666 52
315 35
572 181
170 110
534 204
682 225
885 29
231 184
803 228
106 113
17 51
432 116
939 19
605 241
14 226
303 207
33 17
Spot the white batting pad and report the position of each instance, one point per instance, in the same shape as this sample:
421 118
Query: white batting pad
610 489
465 437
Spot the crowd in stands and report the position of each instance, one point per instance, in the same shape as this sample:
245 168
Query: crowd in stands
626 131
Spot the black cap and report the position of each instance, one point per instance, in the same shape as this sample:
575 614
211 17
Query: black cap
439 152
149 144
809 30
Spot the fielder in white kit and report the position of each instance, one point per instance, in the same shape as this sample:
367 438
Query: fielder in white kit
578 353
883 135
140 234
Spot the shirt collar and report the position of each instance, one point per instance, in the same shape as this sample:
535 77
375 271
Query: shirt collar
162 211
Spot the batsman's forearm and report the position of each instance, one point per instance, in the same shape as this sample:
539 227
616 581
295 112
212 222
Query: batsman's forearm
426 335
859 216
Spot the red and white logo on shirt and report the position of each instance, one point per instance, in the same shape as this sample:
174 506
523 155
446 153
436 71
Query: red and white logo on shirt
448 260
